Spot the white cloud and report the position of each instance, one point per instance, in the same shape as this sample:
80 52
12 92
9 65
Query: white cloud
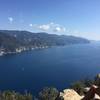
30 25
52 27
10 19
44 27
59 29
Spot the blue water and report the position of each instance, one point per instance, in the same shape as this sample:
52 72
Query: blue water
56 66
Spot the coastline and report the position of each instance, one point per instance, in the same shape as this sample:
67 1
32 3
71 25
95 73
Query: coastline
21 49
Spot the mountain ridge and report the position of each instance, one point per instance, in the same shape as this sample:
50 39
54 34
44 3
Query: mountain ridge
17 41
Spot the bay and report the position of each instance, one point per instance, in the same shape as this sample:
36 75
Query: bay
57 67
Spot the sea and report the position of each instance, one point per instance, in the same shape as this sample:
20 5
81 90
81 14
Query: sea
58 67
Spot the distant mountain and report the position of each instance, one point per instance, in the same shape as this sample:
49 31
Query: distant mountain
8 42
12 40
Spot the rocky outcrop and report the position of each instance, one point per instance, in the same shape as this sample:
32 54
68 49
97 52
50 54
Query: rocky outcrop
70 94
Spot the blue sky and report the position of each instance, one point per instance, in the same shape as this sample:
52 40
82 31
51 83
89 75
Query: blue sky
69 17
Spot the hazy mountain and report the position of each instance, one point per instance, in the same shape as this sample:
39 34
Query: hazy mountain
10 40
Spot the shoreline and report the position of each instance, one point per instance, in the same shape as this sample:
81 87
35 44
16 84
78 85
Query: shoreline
20 50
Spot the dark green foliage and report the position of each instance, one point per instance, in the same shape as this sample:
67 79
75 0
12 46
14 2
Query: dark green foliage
88 82
49 94
7 42
78 87
97 80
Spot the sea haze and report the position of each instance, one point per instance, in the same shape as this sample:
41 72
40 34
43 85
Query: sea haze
56 66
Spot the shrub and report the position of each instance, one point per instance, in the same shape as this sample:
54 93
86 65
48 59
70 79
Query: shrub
48 94
97 80
11 95
87 82
78 87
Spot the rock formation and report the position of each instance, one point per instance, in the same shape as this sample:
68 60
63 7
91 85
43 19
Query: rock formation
70 94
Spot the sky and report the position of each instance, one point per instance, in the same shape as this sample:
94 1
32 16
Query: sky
63 17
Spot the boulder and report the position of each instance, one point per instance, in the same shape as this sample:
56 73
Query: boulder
70 94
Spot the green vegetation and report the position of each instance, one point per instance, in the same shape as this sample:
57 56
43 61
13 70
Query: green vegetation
97 80
10 40
8 43
46 94
50 93
80 86
12 95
